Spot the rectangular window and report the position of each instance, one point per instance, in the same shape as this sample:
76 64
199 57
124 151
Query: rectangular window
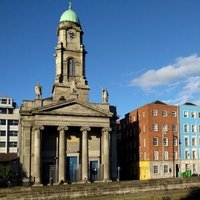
174 127
166 157
186 142
155 155
166 169
2 122
4 101
199 128
173 113
194 142
199 114
13 122
154 112
187 155
12 144
155 169
2 144
164 128
193 114
143 114
2 133
194 166
186 128
164 113
186 166
165 141
155 141
12 133
10 111
185 114
193 128
155 127
194 154
3 110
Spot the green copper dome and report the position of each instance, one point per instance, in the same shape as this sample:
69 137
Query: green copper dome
70 15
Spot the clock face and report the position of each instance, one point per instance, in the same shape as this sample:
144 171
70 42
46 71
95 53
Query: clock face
71 34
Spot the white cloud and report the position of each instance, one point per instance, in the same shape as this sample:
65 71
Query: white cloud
183 68
181 79
190 91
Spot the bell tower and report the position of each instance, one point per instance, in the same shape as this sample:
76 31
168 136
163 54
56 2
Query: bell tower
70 81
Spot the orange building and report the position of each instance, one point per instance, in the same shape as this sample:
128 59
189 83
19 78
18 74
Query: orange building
148 140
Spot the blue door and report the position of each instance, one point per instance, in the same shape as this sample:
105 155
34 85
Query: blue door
72 168
94 170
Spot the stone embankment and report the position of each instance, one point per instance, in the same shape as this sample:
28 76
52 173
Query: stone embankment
161 188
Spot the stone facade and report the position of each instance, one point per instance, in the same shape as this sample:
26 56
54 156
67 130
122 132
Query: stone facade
65 138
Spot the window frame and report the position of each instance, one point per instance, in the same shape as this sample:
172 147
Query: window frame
164 113
166 155
193 114
155 141
155 127
155 155
154 112
1 144
174 127
173 113
166 169
186 128
155 169
185 114
165 142
3 122
71 67
186 141
2 133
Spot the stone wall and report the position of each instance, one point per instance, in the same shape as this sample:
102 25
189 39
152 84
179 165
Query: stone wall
111 189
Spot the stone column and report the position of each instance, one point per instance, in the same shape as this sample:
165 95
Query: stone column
37 154
84 131
106 154
62 154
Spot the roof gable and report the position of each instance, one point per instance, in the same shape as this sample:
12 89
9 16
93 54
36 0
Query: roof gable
72 107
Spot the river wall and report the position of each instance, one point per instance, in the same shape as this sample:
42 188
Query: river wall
81 190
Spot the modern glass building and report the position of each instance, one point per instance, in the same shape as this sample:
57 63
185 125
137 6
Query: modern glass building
9 119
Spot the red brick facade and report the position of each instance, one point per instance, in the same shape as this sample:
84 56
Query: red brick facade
151 131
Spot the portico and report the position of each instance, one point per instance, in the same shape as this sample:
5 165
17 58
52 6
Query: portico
63 152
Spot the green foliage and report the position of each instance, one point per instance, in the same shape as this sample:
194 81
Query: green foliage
6 172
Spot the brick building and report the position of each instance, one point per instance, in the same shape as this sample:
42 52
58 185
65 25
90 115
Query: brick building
148 142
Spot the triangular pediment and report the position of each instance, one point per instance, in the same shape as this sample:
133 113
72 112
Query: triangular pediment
72 107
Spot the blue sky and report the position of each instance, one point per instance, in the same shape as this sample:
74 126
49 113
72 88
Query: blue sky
140 50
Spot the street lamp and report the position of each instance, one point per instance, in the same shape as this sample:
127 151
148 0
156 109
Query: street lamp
118 173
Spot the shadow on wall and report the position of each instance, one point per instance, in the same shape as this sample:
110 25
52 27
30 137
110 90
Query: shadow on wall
193 195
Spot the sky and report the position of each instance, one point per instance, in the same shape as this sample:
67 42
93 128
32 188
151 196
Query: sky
140 50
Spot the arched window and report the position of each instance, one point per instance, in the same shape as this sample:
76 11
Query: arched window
71 67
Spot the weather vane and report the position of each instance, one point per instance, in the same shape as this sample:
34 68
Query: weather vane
70 5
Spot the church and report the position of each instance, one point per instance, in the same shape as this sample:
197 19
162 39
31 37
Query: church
65 138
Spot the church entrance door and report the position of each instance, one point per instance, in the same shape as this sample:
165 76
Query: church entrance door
93 170
72 168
